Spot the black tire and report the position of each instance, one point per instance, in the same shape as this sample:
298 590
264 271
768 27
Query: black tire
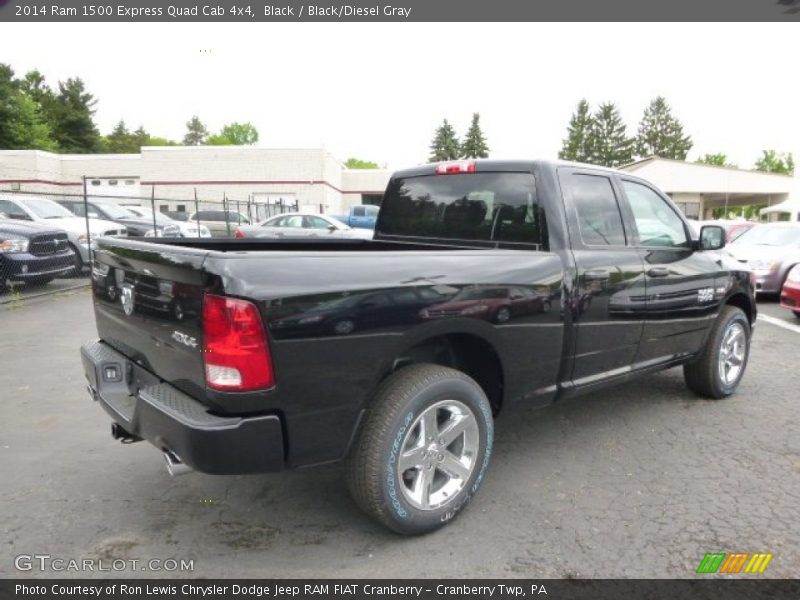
399 403
796 313
703 375
77 262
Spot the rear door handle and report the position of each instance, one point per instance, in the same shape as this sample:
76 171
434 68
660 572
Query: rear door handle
658 272
596 275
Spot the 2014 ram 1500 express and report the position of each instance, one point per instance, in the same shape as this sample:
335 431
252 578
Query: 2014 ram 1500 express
487 285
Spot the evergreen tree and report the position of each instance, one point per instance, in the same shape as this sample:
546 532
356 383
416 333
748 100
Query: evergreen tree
608 139
73 124
774 162
445 144
577 145
120 140
661 134
196 132
474 145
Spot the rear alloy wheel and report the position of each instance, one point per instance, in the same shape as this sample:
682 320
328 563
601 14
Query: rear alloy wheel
423 449
716 373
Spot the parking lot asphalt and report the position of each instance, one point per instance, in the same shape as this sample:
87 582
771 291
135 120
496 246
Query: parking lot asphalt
637 481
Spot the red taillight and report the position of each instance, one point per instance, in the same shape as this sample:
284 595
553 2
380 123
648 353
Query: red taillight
460 166
239 234
235 353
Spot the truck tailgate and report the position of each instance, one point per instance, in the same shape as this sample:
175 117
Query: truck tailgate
148 306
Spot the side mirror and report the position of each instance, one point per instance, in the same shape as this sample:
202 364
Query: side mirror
331 228
712 237
19 216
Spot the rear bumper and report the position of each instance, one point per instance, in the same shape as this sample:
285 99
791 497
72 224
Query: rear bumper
177 423
23 266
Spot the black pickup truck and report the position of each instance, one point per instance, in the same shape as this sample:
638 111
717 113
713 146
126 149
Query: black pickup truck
487 285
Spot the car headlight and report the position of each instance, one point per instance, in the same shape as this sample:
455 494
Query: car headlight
763 265
794 274
84 238
13 245
472 310
150 233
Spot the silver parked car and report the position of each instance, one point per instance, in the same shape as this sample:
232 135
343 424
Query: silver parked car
48 212
298 225
770 251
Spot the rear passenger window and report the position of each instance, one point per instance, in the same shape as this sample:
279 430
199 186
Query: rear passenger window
599 219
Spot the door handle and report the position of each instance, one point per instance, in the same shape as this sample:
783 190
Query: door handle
658 272
596 275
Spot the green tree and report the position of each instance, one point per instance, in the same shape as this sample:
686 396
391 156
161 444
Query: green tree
158 141
73 124
608 139
196 132
445 144
577 145
234 134
719 160
31 131
661 134
357 163
474 145
22 124
120 140
776 162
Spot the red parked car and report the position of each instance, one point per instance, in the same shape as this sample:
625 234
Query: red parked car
494 303
790 294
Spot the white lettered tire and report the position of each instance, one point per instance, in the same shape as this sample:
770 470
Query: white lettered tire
423 449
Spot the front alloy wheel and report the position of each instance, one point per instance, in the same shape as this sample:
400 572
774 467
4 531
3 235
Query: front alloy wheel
719 368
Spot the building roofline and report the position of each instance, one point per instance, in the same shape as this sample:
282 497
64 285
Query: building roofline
653 158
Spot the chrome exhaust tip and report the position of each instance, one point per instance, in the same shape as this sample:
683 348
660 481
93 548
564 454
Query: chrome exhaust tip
174 465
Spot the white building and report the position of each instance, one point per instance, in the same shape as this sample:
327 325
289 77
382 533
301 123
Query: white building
699 189
175 174
317 181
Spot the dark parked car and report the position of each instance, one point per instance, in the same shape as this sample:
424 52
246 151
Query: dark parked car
294 353
33 253
109 210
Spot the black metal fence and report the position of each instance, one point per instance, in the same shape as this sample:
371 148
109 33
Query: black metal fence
37 245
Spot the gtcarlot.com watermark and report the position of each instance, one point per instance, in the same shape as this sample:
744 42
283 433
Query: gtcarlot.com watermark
57 564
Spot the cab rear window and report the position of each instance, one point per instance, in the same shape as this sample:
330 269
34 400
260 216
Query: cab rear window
498 208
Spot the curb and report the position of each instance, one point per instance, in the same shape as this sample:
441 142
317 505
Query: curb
10 298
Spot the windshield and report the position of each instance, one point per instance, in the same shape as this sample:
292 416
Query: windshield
146 213
114 211
766 235
46 209
486 207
